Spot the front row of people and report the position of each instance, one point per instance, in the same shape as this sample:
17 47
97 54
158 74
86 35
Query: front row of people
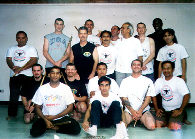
53 101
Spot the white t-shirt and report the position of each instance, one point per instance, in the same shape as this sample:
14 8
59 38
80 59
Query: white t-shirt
115 43
20 56
172 92
93 86
146 49
105 101
53 100
128 50
174 53
91 38
108 55
136 89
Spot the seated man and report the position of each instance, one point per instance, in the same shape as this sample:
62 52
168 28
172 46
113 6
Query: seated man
105 110
175 94
78 89
93 83
53 101
28 90
135 92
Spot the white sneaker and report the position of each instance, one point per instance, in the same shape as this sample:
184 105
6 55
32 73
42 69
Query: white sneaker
92 130
121 132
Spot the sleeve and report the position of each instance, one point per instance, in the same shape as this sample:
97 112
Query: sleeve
183 89
122 90
9 53
184 53
151 90
70 98
115 87
160 55
83 90
33 52
37 99
157 87
90 86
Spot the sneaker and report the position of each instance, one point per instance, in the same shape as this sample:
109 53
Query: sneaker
92 131
121 132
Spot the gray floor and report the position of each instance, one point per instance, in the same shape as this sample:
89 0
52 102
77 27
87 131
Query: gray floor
16 129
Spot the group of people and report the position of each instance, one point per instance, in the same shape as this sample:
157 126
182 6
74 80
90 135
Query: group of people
109 78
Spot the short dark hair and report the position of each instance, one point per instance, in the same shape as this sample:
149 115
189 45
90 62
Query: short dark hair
105 31
142 24
83 28
71 64
104 78
101 63
37 65
159 20
137 60
55 67
116 26
89 20
165 62
21 32
172 32
59 19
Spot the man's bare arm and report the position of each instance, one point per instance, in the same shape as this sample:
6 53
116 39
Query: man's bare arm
184 67
152 52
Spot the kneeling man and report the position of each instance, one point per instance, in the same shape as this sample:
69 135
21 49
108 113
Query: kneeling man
105 110
53 101
135 92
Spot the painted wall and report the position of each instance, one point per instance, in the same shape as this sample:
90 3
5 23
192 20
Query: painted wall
37 20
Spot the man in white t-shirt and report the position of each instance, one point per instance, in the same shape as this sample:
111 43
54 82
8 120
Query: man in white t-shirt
105 110
20 58
107 53
148 47
115 31
129 49
175 96
53 101
93 86
136 92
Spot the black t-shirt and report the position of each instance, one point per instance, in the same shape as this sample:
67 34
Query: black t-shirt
30 87
83 60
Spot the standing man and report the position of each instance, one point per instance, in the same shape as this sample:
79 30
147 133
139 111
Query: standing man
53 101
78 89
115 31
56 47
157 36
148 47
105 110
136 92
85 56
175 94
129 49
107 53
20 59
28 90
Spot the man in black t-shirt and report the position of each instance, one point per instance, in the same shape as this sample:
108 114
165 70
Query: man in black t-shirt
30 87
78 89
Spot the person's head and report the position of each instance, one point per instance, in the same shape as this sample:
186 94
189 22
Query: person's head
59 25
55 74
168 68
141 28
115 30
21 38
70 70
157 24
104 85
101 69
169 36
136 66
83 33
127 29
105 37
89 24
37 71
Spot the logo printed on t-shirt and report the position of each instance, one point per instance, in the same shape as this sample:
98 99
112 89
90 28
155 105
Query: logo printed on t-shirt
19 55
74 91
87 54
171 55
167 93
107 57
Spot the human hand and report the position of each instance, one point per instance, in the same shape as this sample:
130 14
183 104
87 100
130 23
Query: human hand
85 125
159 112
176 113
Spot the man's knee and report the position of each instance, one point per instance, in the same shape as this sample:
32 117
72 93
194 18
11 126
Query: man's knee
174 126
96 103
82 107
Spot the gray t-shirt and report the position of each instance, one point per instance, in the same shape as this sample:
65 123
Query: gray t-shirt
57 48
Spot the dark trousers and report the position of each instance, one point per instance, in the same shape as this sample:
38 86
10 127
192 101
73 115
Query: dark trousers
39 127
101 119
15 85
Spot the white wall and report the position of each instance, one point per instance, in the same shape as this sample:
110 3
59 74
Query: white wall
37 20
